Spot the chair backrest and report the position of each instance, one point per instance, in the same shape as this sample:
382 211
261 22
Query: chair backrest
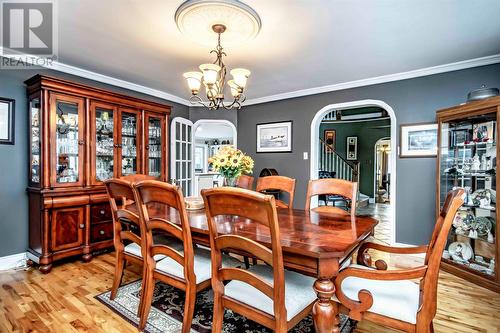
245 182
165 197
332 186
120 194
260 209
281 183
428 286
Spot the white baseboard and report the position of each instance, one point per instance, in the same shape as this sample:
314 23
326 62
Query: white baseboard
371 200
12 261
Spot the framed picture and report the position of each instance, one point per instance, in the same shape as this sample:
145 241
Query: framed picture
329 139
352 148
7 106
274 137
483 131
418 140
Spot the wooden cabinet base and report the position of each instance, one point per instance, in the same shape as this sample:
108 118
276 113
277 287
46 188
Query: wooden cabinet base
472 277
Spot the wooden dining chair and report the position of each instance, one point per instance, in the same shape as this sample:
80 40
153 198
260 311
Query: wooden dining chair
281 183
184 268
267 294
127 229
333 186
390 297
245 181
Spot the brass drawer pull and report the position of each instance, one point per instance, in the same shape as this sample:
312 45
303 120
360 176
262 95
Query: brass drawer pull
102 212
101 232
82 226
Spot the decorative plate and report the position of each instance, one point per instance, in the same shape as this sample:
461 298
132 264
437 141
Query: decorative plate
460 251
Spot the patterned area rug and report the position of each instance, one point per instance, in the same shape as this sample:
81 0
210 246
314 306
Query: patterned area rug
167 310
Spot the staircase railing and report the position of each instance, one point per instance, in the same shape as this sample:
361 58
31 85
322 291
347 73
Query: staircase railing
330 160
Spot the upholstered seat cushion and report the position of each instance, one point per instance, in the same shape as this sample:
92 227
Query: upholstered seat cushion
202 265
299 291
135 249
394 299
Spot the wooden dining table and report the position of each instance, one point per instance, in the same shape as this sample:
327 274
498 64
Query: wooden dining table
315 244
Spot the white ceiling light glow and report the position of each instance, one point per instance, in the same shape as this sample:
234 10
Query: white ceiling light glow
195 19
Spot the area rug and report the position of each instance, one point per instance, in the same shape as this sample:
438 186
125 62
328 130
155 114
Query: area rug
167 310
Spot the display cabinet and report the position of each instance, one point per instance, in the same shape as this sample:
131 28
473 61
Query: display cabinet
467 158
79 137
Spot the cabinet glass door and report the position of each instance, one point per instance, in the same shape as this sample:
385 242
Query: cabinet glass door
155 146
468 160
35 146
67 119
103 132
130 134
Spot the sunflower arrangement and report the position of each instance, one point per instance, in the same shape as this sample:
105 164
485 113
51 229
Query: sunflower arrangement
231 163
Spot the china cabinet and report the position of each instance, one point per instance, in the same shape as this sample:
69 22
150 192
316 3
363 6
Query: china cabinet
79 137
467 158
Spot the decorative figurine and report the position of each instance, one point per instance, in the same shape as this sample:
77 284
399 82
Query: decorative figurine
476 163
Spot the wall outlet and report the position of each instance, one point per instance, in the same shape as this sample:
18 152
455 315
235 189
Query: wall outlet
306 155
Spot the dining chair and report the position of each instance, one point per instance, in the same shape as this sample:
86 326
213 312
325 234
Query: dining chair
333 186
127 228
245 181
267 294
281 183
391 297
186 268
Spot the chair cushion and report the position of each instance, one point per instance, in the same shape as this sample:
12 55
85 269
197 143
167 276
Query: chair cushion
202 265
135 249
299 291
394 299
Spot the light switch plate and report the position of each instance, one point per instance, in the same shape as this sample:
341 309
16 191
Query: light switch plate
306 155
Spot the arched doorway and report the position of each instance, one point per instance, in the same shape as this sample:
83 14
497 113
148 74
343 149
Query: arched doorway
315 135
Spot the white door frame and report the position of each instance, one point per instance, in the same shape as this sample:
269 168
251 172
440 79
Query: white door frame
351 105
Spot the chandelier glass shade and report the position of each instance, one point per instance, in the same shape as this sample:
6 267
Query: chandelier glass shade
213 78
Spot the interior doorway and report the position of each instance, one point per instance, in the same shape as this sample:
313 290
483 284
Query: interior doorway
382 174
191 145
349 152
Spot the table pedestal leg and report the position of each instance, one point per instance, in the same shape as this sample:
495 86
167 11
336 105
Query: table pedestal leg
324 310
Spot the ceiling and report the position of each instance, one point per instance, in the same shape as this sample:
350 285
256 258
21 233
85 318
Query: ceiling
303 44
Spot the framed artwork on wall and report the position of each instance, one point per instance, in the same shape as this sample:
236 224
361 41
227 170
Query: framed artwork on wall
274 137
7 110
418 140
352 148
329 139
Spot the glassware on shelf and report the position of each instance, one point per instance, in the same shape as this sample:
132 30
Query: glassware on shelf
129 144
154 147
104 144
35 140
67 142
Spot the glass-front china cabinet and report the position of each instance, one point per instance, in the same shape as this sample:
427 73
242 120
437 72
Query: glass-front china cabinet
81 136
467 158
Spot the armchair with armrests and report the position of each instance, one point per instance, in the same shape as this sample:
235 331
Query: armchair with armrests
391 297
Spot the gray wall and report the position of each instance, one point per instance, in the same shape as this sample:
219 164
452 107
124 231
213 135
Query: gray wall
413 100
368 134
14 159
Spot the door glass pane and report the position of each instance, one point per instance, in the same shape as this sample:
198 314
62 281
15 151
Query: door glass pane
177 131
35 140
67 134
104 138
154 143
129 143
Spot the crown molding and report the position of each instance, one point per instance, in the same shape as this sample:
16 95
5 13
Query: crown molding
455 66
64 68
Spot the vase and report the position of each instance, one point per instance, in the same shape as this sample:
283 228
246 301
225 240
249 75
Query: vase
231 182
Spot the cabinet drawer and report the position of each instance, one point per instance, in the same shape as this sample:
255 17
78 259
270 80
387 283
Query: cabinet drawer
101 232
100 213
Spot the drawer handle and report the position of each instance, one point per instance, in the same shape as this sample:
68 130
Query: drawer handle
102 212
82 226
101 232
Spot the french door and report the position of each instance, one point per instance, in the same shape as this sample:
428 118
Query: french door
181 161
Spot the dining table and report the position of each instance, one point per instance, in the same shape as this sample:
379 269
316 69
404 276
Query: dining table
313 243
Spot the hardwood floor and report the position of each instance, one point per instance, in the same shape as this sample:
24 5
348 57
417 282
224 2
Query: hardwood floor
63 301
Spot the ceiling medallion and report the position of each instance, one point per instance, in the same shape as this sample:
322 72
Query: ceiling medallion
233 19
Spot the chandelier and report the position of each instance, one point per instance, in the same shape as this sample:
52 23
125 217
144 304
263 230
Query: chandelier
213 77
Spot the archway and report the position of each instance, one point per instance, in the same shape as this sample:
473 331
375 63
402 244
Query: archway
315 124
